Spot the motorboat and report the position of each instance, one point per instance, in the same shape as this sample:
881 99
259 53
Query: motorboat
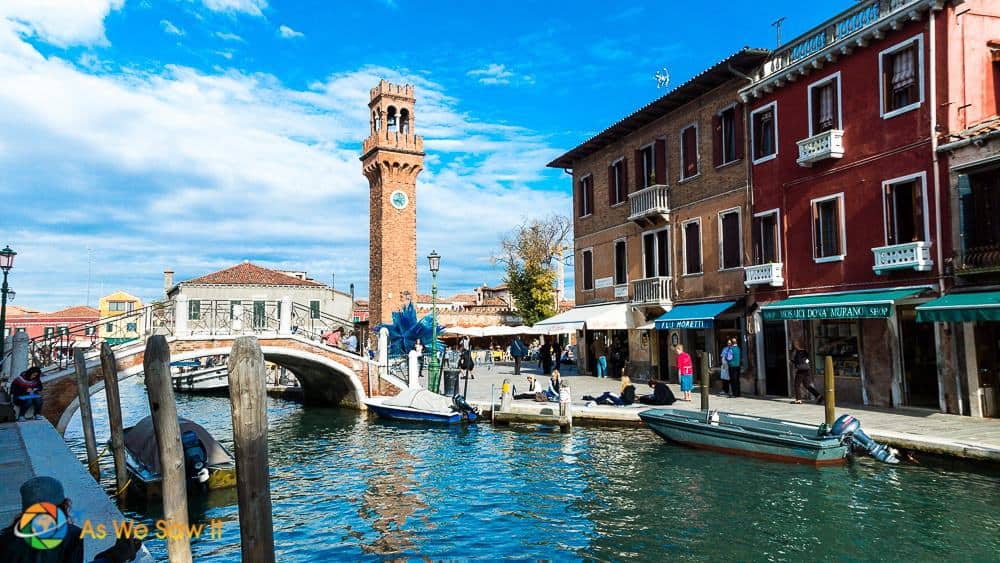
768 438
207 464
422 405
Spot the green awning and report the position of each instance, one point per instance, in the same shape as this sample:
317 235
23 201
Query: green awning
961 307
846 305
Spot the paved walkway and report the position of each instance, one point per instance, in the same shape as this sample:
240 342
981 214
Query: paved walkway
914 429
32 448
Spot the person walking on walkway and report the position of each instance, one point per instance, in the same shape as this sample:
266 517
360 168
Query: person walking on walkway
803 373
545 356
685 369
518 351
734 358
600 354
617 360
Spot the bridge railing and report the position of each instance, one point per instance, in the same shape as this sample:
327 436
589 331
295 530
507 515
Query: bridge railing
56 349
314 323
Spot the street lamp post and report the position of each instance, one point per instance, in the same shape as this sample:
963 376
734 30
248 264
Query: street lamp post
6 263
434 261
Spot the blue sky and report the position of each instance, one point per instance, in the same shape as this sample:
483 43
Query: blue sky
139 135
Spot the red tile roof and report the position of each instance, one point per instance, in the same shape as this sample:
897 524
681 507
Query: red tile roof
77 311
250 274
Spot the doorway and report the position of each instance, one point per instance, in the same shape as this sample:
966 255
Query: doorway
663 350
919 362
775 359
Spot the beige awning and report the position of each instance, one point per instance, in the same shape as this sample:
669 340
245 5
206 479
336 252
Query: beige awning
606 316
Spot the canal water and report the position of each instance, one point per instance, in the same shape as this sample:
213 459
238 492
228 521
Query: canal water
345 487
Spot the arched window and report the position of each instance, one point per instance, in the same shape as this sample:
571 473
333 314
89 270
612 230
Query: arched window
404 121
390 117
376 120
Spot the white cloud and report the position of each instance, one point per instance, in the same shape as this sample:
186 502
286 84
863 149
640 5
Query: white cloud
289 33
251 7
226 36
170 28
492 74
61 23
193 170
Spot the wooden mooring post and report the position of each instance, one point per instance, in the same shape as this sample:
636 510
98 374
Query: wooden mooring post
110 369
565 409
829 399
156 364
86 416
249 406
705 380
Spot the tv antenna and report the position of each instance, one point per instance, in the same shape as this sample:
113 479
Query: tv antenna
776 24
662 78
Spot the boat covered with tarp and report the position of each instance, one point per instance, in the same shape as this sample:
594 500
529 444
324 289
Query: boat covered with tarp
207 464
424 406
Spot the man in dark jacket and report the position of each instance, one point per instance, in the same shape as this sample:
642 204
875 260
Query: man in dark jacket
662 395
518 351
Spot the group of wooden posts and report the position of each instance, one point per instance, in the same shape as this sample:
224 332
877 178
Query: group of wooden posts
248 399
507 414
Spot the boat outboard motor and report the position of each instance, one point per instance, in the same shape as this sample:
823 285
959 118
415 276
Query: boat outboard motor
849 428
465 408
195 458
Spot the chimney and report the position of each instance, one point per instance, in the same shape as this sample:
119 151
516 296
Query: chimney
168 280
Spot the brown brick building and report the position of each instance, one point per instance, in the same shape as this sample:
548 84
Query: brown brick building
392 157
661 222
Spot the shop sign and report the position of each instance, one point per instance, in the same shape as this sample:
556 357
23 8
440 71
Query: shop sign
601 283
878 311
621 291
689 323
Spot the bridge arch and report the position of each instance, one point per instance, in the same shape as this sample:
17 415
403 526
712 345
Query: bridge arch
324 374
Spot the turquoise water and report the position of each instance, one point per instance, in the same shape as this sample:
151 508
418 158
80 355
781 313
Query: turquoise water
344 487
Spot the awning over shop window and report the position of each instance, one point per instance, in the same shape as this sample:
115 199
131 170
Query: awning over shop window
701 315
961 307
847 305
610 316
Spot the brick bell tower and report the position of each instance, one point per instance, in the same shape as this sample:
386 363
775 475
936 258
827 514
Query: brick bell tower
392 157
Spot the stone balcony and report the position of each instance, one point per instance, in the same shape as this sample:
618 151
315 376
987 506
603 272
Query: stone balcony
650 205
651 291
828 144
765 274
910 255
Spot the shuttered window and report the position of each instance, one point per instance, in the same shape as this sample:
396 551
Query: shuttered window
764 132
649 255
689 152
587 265
692 247
729 240
765 239
621 263
314 309
646 167
901 76
724 137
655 254
828 231
194 310
617 183
904 212
585 196
825 106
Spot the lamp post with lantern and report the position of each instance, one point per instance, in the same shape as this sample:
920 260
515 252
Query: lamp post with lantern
434 261
6 263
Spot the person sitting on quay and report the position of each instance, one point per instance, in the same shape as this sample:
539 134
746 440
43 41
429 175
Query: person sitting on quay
661 395
26 391
532 389
552 393
625 396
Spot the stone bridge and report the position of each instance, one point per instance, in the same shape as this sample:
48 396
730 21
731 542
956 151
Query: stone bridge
328 375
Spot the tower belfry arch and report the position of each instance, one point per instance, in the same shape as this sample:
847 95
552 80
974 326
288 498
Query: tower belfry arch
392 157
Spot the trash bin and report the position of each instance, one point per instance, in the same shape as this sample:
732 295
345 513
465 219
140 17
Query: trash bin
451 382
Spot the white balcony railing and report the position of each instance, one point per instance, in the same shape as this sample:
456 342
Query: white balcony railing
868 17
916 255
828 144
651 201
770 274
651 291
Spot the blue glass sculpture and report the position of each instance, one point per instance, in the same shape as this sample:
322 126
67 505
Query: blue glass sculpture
406 329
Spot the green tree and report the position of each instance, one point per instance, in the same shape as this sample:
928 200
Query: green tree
530 253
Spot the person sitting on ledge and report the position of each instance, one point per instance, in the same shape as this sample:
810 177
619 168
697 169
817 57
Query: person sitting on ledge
625 396
662 395
552 393
532 389
26 391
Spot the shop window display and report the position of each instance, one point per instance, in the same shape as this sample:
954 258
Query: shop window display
839 339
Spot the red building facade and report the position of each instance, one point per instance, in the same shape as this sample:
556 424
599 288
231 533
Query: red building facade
851 220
